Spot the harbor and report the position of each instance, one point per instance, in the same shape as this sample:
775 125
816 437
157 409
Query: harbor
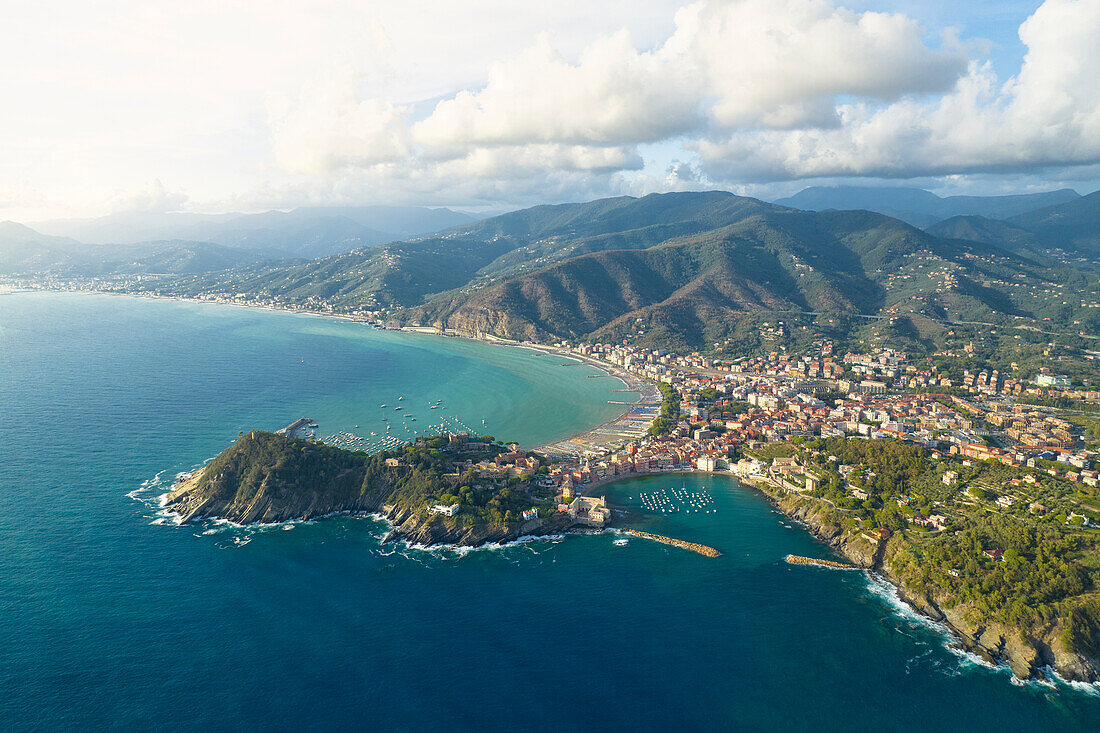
296 428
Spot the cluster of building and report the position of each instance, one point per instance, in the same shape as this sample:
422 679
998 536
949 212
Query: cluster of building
782 398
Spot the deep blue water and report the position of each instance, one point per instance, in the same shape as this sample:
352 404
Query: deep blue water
109 618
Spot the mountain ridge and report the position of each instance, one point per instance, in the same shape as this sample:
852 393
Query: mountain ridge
919 207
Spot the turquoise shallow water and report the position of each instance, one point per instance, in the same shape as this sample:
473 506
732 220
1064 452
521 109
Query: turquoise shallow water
108 618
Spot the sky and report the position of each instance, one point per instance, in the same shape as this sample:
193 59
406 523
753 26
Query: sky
484 105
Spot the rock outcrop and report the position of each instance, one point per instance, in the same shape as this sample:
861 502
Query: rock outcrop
1026 651
268 478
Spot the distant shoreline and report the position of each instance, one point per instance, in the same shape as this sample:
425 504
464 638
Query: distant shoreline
545 349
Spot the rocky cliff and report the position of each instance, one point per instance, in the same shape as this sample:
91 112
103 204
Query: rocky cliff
268 478
1027 651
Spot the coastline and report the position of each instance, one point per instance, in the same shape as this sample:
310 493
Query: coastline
631 382
876 565
1027 657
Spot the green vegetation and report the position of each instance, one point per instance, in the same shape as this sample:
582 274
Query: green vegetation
289 474
690 271
1072 226
1050 568
670 410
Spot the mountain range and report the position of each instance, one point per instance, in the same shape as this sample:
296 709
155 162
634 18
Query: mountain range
690 269
679 269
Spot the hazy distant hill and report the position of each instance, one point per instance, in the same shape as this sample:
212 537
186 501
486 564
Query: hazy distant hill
23 251
303 232
195 243
987 231
1073 226
404 273
919 207
168 257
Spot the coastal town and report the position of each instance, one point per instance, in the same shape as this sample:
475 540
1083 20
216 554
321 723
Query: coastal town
728 408
667 365
771 423
964 477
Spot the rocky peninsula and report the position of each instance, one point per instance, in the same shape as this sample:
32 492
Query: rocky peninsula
433 491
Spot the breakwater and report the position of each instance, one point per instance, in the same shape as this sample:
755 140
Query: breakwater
693 546
292 430
799 560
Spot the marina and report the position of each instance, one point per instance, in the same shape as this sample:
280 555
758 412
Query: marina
681 500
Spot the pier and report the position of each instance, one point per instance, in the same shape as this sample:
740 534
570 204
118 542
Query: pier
291 431
799 560
693 546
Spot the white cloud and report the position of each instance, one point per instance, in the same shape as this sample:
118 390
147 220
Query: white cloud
728 65
1048 115
613 94
781 63
236 104
328 127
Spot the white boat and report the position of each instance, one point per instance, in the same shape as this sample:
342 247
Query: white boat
621 542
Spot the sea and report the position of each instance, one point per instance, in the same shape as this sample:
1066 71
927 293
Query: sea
113 616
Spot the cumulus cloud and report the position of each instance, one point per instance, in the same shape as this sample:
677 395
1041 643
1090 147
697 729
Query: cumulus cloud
729 65
613 94
1047 115
328 127
781 63
342 100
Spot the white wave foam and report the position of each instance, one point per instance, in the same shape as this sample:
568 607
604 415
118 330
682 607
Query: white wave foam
968 660
1091 689
463 550
888 592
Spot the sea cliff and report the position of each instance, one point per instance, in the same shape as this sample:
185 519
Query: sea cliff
1028 650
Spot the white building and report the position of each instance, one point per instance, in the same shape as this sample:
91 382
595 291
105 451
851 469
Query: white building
445 509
